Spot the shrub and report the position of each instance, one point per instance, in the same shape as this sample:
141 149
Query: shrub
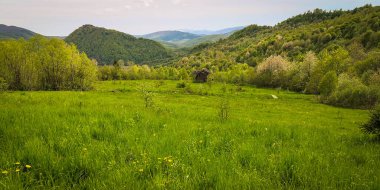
351 92
373 125
147 96
181 85
224 109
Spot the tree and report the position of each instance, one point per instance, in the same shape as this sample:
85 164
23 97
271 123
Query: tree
328 84
337 59
271 72
373 125
308 65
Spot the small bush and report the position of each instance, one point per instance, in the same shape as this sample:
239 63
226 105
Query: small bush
148 97
351 92
224 109
181 85
373 125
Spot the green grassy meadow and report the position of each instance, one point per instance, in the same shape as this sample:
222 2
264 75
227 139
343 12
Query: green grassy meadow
108 139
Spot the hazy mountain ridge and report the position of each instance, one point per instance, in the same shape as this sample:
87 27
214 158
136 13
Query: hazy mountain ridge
214 32
182 39
170 36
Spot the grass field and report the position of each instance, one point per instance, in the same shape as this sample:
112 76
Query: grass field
108 139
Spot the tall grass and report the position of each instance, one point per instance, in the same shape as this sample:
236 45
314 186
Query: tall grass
108 139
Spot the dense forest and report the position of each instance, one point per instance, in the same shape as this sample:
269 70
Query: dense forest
107 46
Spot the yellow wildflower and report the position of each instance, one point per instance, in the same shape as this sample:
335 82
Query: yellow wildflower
170 160
141 170
17 170
17 163
28 166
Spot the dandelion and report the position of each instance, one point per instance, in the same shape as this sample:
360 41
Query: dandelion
28 166
4 172
170 160
17 163
17 170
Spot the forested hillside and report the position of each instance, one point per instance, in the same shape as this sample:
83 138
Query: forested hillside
107 46
9 32
303 53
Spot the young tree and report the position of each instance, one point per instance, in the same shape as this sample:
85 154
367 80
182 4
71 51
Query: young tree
328 84
271 72
373 125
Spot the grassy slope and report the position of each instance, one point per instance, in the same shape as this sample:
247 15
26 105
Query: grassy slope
107 139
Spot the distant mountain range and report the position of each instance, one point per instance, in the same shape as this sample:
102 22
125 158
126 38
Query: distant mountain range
15 32
189 38
170 36
214 32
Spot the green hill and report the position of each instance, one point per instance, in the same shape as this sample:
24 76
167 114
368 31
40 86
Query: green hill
7 32
107 46
293 38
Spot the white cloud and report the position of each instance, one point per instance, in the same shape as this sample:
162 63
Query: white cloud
147 3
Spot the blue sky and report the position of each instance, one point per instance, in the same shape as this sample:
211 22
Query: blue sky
60 17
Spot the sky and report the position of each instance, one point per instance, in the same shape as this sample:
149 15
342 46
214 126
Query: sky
61 17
